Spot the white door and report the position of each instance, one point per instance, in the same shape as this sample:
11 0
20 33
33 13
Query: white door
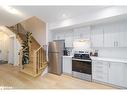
11 50
116 73
97 36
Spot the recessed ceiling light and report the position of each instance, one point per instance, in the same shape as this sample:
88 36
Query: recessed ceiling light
11 10
64 16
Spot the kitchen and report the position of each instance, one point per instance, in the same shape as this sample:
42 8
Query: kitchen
103 59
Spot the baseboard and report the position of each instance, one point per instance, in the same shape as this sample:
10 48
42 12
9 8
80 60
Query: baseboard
108 84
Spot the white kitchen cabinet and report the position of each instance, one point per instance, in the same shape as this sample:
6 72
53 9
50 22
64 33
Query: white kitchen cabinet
67 65
124 84
115 35
97 36
100 71
68 39
58 36
110 72
122 35
82 33
116 73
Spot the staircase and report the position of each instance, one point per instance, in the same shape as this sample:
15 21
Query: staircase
37 54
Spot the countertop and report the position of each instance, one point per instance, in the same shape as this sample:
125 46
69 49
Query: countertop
122 60
68 56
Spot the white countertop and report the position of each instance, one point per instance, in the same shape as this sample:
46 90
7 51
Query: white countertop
110 59
68 56
122 60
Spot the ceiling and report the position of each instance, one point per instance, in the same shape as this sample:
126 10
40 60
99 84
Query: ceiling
47 13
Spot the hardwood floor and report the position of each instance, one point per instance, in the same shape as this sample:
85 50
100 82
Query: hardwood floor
11 78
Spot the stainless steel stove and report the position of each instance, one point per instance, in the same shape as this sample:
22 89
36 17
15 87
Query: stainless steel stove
82 65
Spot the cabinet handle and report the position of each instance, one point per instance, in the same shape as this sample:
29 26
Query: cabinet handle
114 44
109 65
117 43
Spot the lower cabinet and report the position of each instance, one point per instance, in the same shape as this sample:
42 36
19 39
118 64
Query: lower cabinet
100 71
67 65
110 72
116 73
124 75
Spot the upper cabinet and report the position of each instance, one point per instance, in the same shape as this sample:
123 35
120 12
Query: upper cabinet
111 35
97 36
68 38
82 33
107 35
122 35
115 35
58 36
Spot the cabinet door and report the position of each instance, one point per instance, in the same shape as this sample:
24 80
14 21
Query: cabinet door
59 37
67 65
116 73
122 35
82 33
85 33
100 70
111 35
69 39
76 34
97 36
125 75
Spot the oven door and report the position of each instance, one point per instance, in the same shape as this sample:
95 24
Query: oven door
82 69
82 66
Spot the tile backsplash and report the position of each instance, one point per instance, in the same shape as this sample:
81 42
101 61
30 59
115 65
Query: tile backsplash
112 52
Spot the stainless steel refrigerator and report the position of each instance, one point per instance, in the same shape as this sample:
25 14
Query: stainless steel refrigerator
55 56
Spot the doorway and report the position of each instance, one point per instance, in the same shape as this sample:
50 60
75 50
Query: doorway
11 50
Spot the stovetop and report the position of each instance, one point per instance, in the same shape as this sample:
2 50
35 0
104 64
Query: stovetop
82 56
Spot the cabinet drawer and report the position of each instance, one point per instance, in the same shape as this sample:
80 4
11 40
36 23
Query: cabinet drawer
100 77
98 63
100 71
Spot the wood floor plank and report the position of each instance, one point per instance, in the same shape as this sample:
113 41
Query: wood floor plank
11 77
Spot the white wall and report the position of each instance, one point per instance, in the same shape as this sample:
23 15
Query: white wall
4 38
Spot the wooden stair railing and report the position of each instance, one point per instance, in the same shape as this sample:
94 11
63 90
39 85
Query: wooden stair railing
40 60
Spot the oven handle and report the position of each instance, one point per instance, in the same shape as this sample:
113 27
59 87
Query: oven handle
82 60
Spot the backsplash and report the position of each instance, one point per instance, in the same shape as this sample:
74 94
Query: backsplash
70 50
112 52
